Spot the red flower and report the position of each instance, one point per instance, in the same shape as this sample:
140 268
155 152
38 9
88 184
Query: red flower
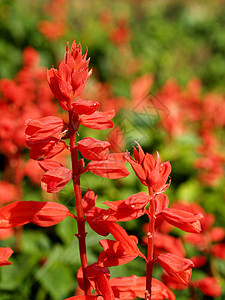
199 261
128 209
69 81
218 250
177 267
37 130
81 107
114 254
45 149
150 171
129 288
98 120
113 167
5 253
55 179
94 149
88 201
209 286
43 214
99 278
8 192
56 176
184 220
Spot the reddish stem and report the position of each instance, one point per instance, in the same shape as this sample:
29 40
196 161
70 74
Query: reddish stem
78 198
150 250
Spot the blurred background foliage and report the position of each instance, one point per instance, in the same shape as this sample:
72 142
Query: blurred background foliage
125 39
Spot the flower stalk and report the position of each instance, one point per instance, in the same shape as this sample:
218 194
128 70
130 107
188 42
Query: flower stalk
150 249
78 198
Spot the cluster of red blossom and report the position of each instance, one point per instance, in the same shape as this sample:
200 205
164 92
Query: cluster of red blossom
46 137
181 111
25 96
55 27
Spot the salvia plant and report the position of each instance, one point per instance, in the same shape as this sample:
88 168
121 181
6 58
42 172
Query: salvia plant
50 135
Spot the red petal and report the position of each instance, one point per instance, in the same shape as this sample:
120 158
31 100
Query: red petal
81 107
5 253
41 213
182 219
55 179
177 267
89 200
94 149
112 168
98 120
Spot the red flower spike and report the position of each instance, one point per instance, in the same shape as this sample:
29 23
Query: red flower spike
43 214
209 286
55 179
129 288
88 201
177 267
184 220
85 107
150 171
5 253
69 81
46 149
128 209
98 120
113 254
43 128
94 149
113 167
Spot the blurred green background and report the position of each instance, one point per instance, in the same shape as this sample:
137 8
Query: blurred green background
125 39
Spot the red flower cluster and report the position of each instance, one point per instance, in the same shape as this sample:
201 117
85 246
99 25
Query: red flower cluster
47 137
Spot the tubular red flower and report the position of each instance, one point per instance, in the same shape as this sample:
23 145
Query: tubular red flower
43 128
85 107
44 214
209 286
113 167
94 149
177 267
46 149
99 278
114 254
128 209
129 288
184 220
55 179
98 120
5 253
88 201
